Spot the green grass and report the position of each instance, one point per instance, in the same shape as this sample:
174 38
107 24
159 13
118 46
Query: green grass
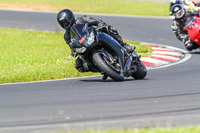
126 7
33 56
192 129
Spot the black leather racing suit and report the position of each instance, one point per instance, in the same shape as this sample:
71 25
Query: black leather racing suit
80 65
111 30
181 34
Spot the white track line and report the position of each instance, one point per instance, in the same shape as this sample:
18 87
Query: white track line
166 57
154 61
167 53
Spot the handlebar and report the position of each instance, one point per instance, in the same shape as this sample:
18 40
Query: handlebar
99 28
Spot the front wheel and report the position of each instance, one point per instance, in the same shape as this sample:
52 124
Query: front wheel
103 66
140 72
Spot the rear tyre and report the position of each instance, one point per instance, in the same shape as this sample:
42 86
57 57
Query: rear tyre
103 66
140 72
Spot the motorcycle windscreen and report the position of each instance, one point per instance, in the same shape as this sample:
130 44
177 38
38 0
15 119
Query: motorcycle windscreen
79 30
193 29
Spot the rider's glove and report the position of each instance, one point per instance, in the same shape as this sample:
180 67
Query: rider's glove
101 25
190 12
183 37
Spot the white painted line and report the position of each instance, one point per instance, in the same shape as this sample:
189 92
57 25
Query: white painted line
154 61
166 57
170 47
187 57
163 49
167 53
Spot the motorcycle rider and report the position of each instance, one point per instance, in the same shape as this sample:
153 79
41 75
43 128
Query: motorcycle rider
187 4
180 17
66 20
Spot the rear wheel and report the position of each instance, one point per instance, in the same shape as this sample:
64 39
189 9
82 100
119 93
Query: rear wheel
107 68
140 72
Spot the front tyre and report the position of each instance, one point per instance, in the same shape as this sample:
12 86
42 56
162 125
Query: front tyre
103 66
140 72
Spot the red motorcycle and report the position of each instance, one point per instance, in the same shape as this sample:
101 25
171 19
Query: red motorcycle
192 26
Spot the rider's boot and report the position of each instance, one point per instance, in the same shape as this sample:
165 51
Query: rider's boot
129 48
82 66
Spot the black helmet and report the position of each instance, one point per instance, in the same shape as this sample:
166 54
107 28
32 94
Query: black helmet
178 11
66 18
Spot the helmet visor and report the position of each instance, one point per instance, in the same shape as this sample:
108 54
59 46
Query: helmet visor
179 14
66 23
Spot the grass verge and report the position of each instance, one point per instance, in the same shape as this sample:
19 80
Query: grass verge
126 7
192 129
34 55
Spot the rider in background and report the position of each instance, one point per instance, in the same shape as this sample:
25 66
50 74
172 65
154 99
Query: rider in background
66 20
187 4
180 17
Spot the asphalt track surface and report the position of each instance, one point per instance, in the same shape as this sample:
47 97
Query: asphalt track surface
166 97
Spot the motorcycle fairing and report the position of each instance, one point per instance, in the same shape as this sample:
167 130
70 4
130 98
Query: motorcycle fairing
193 29
114 46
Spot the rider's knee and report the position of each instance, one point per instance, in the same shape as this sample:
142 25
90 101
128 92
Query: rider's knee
81 66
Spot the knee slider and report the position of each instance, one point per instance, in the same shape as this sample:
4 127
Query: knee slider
79 65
